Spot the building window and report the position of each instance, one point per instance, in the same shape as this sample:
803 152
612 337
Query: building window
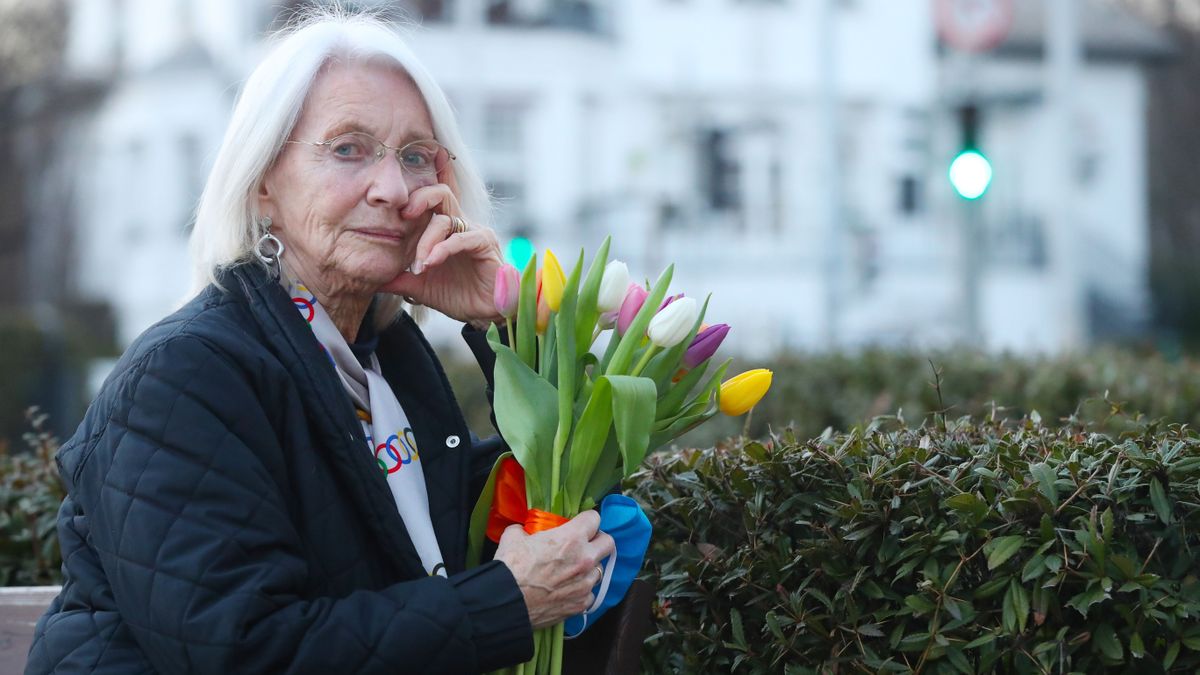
504 127
910 195
583 15
433 11
720 171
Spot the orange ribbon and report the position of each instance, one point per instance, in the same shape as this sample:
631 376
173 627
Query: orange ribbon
509 504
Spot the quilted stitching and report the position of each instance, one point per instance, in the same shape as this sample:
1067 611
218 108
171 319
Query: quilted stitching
207 502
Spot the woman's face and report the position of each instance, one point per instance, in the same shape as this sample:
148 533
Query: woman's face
343 229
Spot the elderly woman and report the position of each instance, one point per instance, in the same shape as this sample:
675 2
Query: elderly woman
276 478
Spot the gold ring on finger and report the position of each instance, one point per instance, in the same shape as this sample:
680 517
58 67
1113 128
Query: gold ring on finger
457 225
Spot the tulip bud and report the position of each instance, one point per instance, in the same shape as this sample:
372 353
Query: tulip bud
607 320
704 345
673 323
554 281
669 300
543 309
507 291
612 286
741 393
635 297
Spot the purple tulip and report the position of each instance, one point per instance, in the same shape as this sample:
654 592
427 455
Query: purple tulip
704 345
635 297
668 301
507 291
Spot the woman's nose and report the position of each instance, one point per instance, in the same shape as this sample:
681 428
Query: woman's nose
390 184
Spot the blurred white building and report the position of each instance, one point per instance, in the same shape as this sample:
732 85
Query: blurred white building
788 156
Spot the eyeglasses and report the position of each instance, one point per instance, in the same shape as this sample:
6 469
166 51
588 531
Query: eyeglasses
355 151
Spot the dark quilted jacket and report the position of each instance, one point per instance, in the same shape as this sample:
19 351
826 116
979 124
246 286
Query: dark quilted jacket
224 515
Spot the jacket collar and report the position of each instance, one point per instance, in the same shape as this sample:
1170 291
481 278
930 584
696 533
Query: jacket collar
410 366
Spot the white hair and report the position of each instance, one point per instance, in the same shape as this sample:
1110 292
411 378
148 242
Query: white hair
227 219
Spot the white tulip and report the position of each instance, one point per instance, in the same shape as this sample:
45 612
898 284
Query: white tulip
612 286
673 322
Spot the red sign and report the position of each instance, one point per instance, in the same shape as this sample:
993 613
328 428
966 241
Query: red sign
973 25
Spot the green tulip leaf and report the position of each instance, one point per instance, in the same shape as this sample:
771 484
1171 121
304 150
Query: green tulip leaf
527 412
633 416
565 338
527 315
587 443
586 314
608 471
670 401
479 515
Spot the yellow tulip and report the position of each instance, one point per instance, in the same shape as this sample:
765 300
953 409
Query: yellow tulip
553 281
742 392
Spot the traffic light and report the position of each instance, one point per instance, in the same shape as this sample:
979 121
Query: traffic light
519 251
971 171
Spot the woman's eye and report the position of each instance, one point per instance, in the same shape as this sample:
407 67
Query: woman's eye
348 149
416 159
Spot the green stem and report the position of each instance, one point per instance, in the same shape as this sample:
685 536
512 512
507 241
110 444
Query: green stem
746 426
595 334
512 341
650 351
556 650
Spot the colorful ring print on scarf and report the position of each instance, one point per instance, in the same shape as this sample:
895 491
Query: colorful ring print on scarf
306 305
407 441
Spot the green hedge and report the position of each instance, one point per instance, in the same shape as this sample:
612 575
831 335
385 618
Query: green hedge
30 493
973 547
814 392
842 391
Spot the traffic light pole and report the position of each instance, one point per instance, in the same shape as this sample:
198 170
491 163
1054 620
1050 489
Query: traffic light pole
972 270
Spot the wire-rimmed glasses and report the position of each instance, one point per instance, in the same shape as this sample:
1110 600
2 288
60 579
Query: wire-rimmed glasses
355 151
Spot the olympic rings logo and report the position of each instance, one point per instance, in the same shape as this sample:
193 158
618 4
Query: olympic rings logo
393 461
307 306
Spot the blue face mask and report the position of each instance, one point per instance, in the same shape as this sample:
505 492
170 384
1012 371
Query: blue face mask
623 519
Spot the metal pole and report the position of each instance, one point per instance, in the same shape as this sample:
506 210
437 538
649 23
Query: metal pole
972 261
1063 52
831 132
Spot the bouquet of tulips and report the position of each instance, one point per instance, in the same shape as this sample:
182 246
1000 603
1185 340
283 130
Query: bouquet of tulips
578 422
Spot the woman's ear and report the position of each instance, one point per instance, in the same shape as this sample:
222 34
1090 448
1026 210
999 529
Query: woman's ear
265 196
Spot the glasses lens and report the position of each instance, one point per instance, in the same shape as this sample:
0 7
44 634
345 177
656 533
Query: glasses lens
354 148
423 158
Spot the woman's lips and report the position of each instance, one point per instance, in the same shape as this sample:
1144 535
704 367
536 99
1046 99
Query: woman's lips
382 235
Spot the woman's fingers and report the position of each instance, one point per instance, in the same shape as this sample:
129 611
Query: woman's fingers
556 569
473 240
436 231
437 197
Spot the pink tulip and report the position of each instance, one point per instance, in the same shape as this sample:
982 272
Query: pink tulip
635 297
704 345
507 291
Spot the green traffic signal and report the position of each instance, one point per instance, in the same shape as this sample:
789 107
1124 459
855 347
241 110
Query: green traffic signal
970 174
519 251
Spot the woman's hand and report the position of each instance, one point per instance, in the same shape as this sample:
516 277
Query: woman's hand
556 569
451 273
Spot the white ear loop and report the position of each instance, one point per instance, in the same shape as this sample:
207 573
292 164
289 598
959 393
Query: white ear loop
605 580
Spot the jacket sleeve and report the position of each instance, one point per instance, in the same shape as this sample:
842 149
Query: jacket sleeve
206 567
484 451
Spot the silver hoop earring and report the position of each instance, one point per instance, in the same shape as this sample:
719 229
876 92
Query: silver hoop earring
269 249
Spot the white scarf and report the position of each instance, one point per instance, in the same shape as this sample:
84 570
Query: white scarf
382 418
